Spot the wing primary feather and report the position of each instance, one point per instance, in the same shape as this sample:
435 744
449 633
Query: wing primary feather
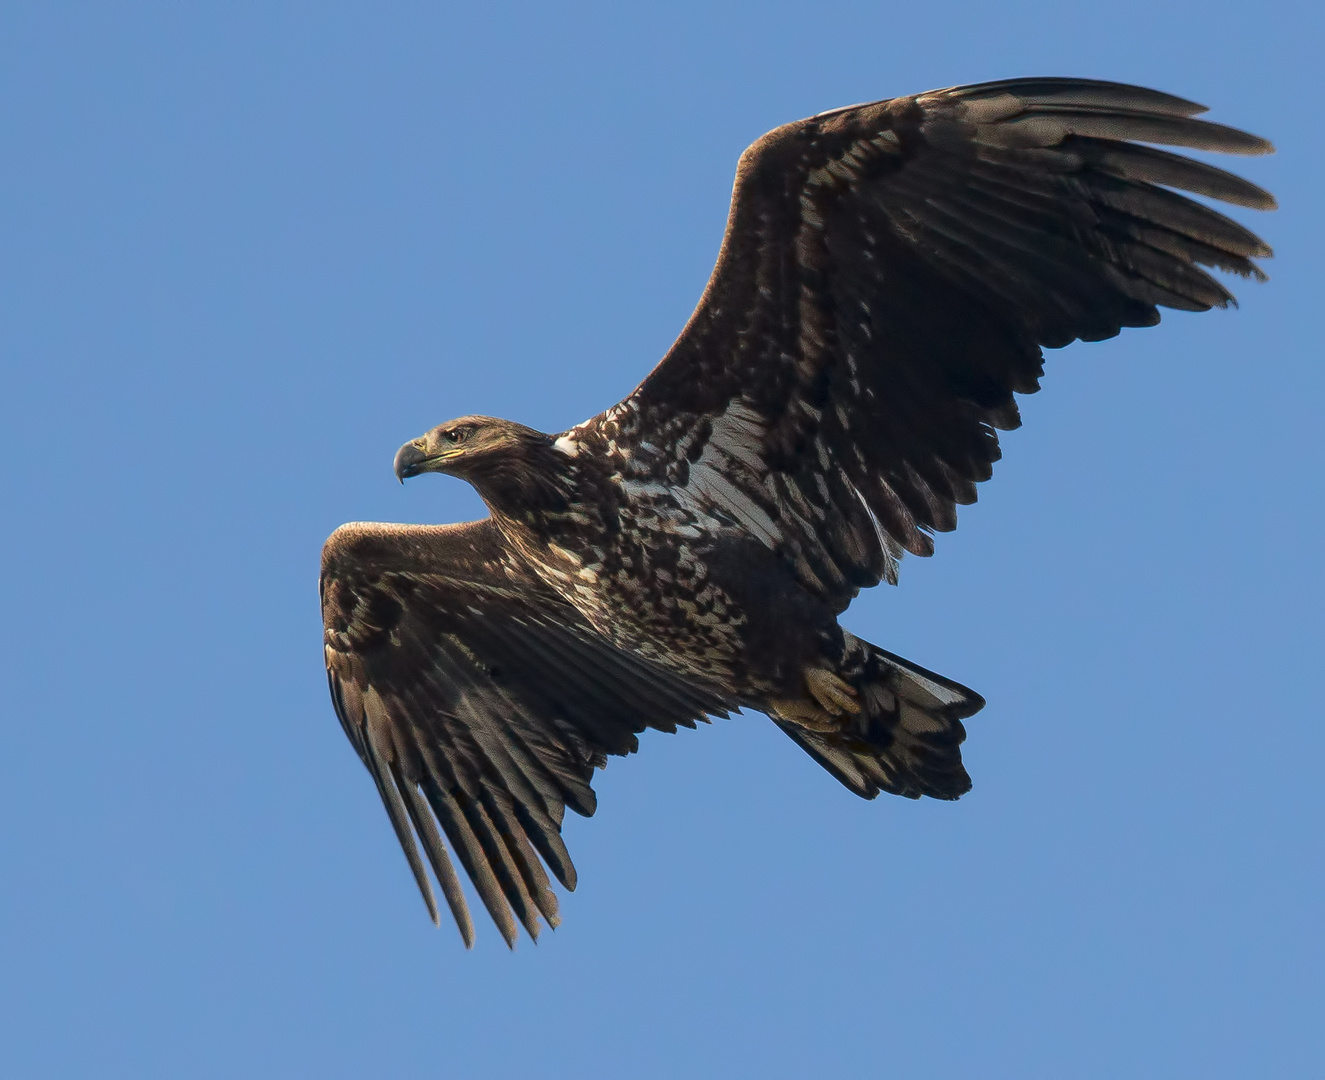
1050 125
385 776
471 854
1147 164
1195 252
550 845
490 867
1093 92
1178 214
502 865
521 853
425 827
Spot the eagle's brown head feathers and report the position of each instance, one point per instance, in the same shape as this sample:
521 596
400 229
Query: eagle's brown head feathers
509 464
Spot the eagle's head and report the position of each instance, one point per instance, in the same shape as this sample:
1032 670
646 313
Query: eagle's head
503 460
468 447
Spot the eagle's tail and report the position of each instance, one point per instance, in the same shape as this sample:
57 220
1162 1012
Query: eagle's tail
907 737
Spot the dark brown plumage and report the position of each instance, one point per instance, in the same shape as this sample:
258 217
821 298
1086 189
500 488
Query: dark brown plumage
888 279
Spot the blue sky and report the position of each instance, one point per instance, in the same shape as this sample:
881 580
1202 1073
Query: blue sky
249 249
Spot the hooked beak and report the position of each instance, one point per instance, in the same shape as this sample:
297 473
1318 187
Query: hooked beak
409 461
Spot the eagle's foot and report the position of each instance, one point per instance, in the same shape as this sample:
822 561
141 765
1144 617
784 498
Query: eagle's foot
834 695
803 713
830 698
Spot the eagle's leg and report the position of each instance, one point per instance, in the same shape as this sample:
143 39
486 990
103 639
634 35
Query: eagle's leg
830 696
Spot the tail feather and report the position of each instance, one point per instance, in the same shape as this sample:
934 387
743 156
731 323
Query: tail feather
907 737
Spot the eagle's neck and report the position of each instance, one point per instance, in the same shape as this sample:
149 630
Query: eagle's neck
555 509
531 481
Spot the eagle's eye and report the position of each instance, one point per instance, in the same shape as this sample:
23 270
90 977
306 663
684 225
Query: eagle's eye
453 435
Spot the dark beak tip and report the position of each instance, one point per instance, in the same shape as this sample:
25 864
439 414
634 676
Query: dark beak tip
409 458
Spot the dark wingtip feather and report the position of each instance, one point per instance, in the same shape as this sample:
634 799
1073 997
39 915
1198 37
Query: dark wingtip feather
1147 164
425 828
455 819
1050 125
385 776
1051 89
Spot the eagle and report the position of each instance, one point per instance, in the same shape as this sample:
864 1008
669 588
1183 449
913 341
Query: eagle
890 275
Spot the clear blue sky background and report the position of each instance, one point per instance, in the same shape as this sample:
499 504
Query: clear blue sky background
248 249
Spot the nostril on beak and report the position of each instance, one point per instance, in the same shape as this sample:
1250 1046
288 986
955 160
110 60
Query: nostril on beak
409 458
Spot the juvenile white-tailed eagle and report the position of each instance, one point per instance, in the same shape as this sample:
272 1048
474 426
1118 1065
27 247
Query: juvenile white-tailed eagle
888 279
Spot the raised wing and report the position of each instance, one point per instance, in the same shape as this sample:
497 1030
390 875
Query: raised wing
889 275
480 702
